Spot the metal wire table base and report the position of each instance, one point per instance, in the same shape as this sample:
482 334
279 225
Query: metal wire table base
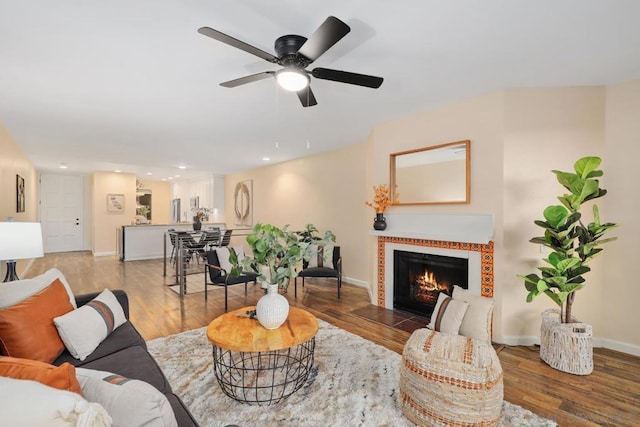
263 378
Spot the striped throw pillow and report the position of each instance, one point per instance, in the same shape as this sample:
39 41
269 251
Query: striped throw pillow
448 314
82 330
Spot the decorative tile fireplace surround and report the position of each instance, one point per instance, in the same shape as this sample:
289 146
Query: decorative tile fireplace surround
459 236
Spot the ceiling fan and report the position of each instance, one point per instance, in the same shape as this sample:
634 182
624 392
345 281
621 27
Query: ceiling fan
295 54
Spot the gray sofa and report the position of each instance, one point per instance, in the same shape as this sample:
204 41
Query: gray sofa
124 352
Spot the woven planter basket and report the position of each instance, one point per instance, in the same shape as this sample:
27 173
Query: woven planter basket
567 347
450 380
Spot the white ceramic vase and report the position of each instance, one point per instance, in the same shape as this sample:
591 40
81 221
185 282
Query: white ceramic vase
272 309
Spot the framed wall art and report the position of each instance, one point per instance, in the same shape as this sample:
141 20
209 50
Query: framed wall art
20 196
243 203
115 203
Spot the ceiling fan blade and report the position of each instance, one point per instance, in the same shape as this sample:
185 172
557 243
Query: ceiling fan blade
222 37
248 79
306 97
328 34
347 77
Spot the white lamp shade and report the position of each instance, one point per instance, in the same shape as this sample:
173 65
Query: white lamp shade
292 80
20 240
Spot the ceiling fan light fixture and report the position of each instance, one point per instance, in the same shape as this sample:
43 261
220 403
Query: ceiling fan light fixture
292 80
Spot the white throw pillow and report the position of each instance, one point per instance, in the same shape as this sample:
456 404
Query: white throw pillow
14 292
83 329
447 315
321 256
223 259
477 320
29 403
129 402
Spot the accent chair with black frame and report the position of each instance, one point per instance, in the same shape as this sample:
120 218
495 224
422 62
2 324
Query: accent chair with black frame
321 268
218 273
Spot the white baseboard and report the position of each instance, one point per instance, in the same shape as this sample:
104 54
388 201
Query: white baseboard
357 282
617 346
597 342
104 253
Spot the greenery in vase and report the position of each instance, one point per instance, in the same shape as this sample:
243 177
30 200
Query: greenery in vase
277 253
573 244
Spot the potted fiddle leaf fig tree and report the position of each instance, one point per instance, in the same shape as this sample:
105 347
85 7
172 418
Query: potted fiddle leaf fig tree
566 344
277 253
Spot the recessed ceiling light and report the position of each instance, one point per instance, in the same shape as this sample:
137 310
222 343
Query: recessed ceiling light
63 166
177 176
182 167
117 171
266 159
163 179
149 173
169 178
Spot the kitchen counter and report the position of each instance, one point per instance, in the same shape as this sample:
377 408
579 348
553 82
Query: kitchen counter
147 241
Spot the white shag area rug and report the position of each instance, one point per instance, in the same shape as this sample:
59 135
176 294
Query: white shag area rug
354 382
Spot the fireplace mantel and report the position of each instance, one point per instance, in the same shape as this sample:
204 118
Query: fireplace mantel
477 228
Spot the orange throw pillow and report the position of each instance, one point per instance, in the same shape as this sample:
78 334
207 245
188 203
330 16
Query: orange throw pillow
62 377
27 329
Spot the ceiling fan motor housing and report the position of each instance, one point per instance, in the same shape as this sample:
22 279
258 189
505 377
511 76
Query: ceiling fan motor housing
287 47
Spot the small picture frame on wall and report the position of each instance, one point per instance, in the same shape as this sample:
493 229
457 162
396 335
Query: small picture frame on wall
20 196
115 203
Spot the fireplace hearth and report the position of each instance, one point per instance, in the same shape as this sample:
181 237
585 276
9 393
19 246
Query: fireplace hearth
419 278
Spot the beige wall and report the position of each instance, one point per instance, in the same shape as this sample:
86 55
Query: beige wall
620 285
104 224
13 162
327 190
545 129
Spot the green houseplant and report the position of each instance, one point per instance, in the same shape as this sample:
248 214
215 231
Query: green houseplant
565 343
278 252
572 242
276 255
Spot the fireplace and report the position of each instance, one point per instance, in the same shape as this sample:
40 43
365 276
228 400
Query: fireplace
419 278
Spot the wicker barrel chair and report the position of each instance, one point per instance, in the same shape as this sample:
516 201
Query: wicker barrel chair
450 380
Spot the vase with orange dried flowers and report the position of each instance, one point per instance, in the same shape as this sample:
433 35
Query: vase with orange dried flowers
381 201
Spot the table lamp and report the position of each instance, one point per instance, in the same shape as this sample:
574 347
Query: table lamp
19 240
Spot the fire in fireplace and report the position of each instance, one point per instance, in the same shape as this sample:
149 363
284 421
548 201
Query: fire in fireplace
420 278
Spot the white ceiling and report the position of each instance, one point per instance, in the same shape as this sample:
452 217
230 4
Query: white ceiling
132 85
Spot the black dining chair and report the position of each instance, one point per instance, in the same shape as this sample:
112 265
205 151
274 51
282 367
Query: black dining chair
172 239
226 238
209 239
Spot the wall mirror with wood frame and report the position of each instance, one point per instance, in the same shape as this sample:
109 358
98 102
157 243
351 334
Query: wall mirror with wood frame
436 175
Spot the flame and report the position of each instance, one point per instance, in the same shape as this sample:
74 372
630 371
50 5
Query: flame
428 282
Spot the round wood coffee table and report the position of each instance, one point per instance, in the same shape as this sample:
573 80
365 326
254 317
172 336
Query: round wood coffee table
260 366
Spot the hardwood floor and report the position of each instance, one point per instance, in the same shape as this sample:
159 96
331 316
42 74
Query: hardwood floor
610 396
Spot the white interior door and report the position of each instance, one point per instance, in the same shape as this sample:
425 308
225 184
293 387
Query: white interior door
61 212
